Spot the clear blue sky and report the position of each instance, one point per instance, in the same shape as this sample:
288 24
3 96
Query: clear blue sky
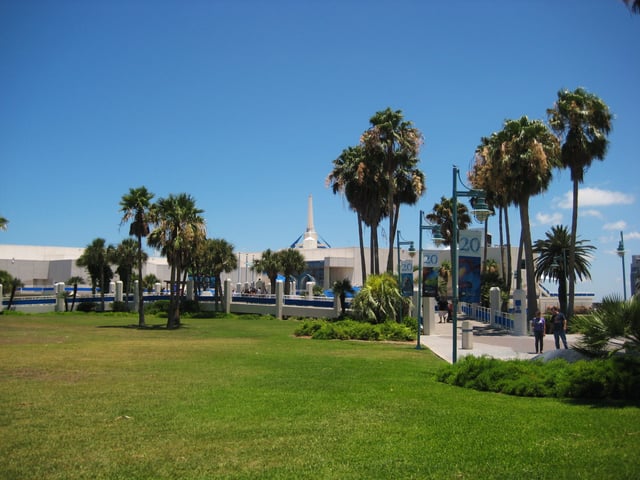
244 105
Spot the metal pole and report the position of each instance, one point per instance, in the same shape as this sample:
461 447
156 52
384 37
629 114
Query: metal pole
624 275
418 347
454 264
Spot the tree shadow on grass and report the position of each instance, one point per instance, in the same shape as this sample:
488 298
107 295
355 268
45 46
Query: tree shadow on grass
134 326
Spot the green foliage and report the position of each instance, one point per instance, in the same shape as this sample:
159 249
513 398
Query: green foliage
614 378
120 307
354 330
189 306
159 307
378 301
614 326
87 307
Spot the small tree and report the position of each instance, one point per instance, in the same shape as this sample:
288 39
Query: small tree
613 326
340 289
74 281
379 299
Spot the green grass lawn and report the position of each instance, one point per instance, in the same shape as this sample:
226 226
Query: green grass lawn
84 396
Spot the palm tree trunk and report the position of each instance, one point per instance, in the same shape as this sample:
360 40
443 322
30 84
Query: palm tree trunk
141 322
393 226
572 252
362 255
75 292
501 233
509 255
532 296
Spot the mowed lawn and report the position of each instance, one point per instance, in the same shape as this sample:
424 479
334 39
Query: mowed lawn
88 397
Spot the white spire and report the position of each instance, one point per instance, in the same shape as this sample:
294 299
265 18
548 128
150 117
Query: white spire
310 236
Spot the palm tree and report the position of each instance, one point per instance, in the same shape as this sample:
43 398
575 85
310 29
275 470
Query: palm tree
345 178
74 281
633 5
529 153
3 223
179 226
395 144
149 282
15 284
340 289
582 121
269 264
216 257
95 258
292 263
379 299
134 207
551 262
487 176
613 327
442 215
126 256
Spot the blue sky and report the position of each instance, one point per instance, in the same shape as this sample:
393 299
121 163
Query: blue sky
244 105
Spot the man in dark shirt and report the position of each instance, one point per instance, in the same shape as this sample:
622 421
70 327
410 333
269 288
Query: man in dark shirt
559 322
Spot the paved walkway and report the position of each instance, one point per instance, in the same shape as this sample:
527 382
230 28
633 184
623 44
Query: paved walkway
487 340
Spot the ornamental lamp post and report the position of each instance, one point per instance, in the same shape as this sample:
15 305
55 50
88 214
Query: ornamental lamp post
412 252
621 255
437 240
481 212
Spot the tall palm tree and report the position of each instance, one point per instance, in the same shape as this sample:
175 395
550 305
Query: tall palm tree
442 215
3 223
529 153
395 144
95 258
582 121
74 281
340 289
486 176
134 207
179 226
269 264
216 257
633 5
344 179
292 263
126 256
551 262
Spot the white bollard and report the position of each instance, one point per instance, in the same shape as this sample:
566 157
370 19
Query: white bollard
467 335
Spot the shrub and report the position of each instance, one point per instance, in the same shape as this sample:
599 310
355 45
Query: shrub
613 378
159 307
120 307
86 306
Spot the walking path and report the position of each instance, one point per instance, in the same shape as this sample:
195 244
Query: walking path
489 341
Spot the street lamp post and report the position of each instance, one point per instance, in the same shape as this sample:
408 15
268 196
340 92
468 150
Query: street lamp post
481 212
621 255
412 252
437 239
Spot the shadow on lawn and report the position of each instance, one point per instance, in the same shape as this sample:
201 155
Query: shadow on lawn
133 326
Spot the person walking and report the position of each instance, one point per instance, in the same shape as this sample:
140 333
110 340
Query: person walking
538 327
443 309
559 322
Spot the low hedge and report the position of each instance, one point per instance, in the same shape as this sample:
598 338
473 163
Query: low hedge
615 378
354 330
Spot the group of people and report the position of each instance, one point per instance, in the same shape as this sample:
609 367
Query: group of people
559 328
445 309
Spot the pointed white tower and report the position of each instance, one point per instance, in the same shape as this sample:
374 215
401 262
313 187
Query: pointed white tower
310 235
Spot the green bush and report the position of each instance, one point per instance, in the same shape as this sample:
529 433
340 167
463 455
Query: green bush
159 307
120 307
354 330
614 378
189 306
86 307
